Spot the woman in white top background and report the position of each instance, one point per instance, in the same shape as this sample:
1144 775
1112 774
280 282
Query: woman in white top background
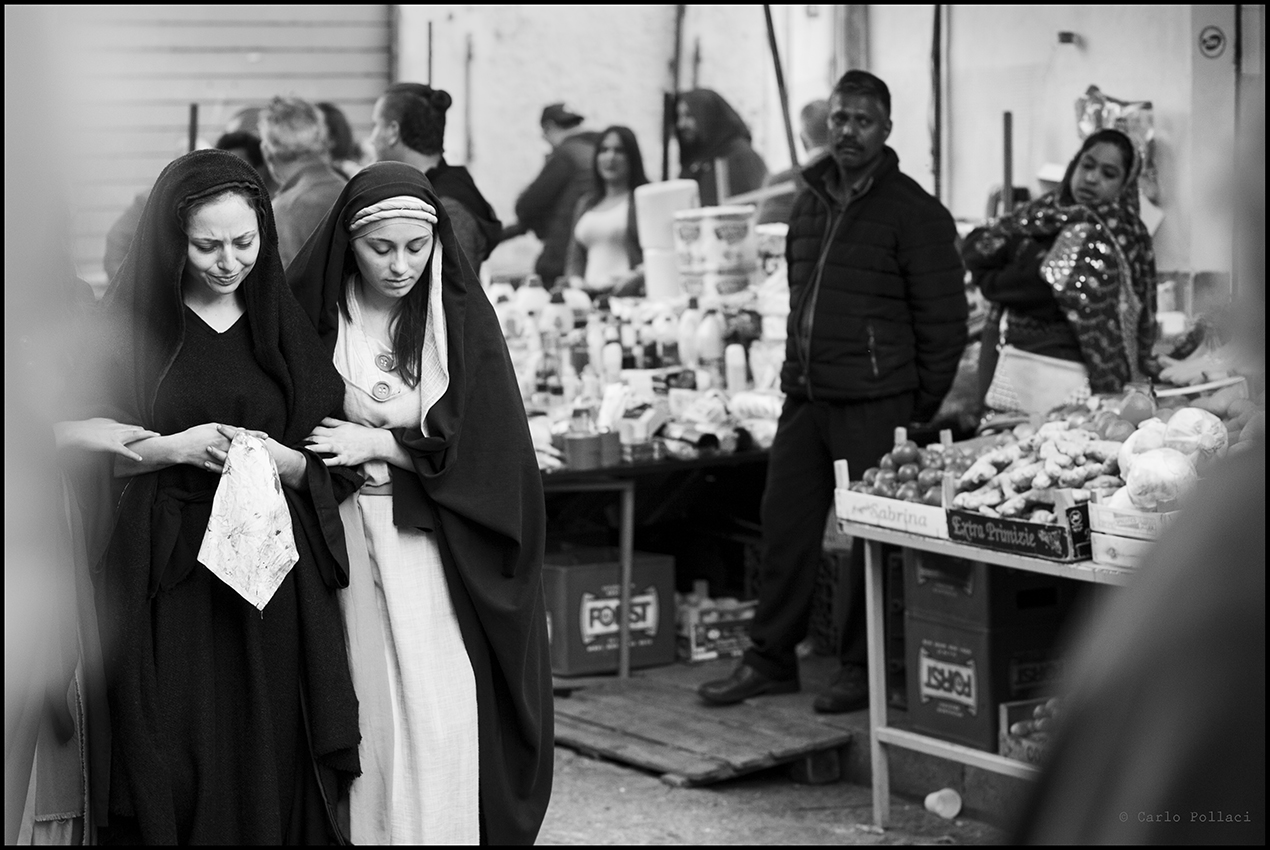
604 256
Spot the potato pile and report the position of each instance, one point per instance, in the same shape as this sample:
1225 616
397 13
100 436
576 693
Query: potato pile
1017 481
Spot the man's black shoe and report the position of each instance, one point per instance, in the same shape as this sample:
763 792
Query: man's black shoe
745 682
849 691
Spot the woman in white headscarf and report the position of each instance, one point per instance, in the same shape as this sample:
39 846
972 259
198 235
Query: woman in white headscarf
445 613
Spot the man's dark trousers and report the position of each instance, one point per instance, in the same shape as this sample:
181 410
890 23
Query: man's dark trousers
810 436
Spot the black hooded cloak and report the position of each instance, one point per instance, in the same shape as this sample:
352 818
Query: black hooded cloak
230 725
476 484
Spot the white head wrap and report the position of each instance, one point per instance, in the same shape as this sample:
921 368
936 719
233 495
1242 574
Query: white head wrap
402 208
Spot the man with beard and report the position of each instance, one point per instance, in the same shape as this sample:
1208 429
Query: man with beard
876 328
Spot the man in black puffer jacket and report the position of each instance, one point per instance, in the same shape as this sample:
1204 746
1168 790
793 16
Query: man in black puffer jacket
877 326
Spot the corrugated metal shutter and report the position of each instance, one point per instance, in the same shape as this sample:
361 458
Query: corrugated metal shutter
140 67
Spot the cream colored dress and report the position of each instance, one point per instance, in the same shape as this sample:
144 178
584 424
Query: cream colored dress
420 781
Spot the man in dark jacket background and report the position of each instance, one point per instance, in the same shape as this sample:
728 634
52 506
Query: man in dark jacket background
546 206
410 127
877 326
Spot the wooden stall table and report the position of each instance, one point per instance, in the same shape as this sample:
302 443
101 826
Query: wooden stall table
623 480
882 735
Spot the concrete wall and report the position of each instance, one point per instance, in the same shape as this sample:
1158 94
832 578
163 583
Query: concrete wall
1009 58
612 64
608 63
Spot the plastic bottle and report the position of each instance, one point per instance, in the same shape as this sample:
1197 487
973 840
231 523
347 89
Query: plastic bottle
710 343
688 323
666 334
595 341
532 297
509 317
557 316
580 303
612 361
735 368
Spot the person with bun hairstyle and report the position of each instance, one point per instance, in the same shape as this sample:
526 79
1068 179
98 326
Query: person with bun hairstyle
410 127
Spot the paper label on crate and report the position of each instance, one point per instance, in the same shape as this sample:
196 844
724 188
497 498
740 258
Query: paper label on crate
1031 674
947 681
1030 538
599 615
925 520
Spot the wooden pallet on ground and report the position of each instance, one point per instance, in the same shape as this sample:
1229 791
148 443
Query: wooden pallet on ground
662 726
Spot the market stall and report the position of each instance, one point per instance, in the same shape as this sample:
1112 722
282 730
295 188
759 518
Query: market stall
1081 495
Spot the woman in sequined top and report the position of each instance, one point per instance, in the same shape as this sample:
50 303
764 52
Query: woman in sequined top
1072 275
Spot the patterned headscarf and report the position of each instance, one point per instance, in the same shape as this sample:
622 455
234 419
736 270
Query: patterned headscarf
1101 269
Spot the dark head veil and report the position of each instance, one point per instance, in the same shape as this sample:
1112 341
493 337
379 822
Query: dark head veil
143 315
477 484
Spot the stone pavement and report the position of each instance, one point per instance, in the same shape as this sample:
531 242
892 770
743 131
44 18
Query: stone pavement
603 803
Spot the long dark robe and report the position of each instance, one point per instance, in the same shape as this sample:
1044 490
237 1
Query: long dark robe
476 483
229 725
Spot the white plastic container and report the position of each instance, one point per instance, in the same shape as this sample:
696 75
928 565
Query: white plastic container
735 368
710 341
688 323
557 316
655 208
531 297
661 274
716 239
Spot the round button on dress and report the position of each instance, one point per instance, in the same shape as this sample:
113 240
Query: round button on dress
380 391
385 362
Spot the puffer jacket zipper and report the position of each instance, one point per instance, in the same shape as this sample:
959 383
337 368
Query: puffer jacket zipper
873 350
808 317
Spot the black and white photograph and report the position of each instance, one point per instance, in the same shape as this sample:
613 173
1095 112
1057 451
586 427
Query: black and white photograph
635 424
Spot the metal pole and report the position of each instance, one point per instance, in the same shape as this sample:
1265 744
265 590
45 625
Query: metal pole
780 86
193 125
671 102
429 52
626 554
937 85
1007 183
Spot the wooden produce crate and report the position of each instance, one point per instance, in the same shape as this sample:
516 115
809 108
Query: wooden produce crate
1116 551
897 514
1143 525
1022 749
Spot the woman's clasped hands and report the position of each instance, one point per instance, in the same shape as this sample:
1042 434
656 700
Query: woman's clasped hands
341 443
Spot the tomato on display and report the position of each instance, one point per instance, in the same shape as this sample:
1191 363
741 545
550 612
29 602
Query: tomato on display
909 492
906 452
870 474
931 459
934 496
908 472
887 463
929 477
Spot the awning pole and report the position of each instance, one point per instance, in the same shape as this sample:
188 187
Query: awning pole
780 85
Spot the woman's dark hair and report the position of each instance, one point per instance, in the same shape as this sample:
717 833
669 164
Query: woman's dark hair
247 143
1116 138
343 145
630 146
247 191
419 111
409 317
